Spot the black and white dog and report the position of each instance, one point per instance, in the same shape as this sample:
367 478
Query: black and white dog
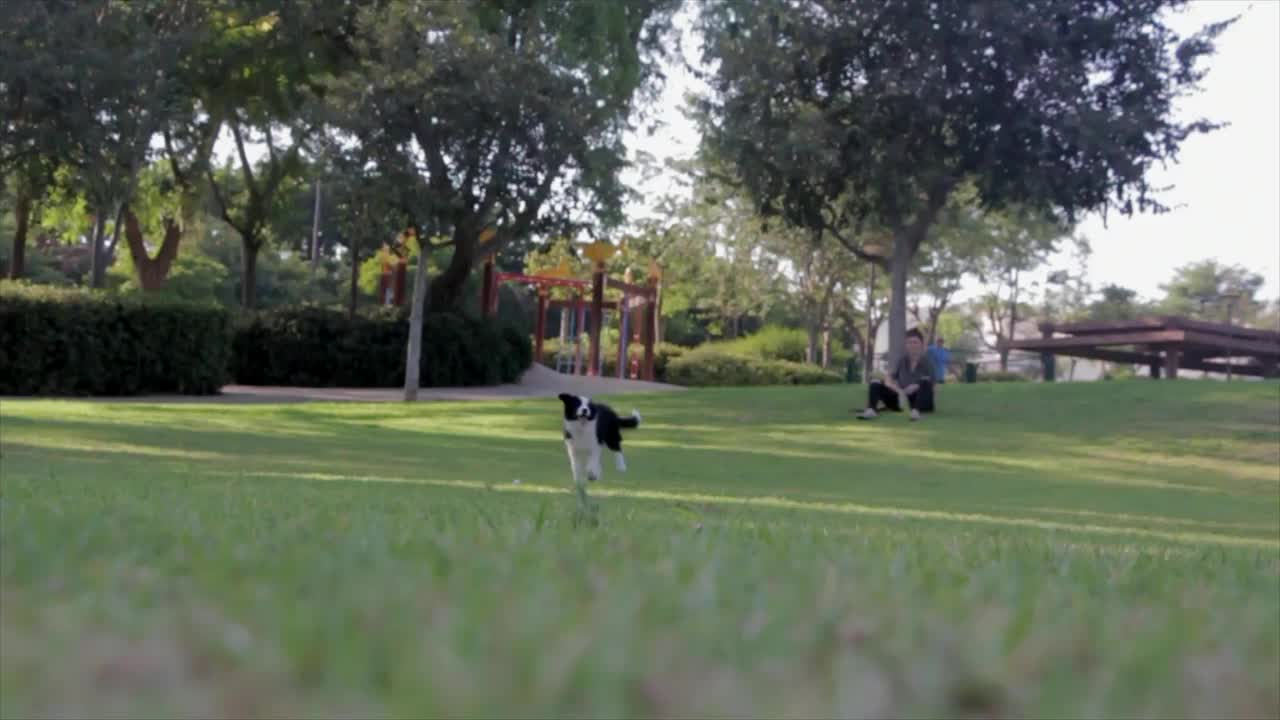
588 429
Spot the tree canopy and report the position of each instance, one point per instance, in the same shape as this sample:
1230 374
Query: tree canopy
870 115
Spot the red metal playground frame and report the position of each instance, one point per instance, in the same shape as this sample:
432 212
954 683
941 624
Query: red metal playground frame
637 310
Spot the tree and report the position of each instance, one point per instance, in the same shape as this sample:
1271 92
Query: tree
513 111
1069 301
1269 318
101 99
862 307
154 197
1204 290
1116 303
870 115
964 237
1023 244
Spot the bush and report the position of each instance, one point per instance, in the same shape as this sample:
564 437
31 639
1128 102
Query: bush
771 343
321 347
66 341
711 367
663 354
1002 376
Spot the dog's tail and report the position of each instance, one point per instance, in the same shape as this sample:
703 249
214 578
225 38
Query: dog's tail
631 422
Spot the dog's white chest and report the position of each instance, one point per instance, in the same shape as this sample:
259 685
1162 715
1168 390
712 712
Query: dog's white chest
582 436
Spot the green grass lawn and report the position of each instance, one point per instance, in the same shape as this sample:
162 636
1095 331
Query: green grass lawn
1100 550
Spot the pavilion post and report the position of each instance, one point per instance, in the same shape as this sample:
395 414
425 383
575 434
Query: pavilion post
1172 358
1048 361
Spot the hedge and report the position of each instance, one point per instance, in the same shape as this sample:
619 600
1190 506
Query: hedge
663 354
69 341
1002 376
321 347
711 367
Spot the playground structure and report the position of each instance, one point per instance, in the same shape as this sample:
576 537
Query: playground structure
395 264
637 311
1164 344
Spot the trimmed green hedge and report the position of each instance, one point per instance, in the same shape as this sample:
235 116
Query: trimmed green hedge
68 341
710 367
320 347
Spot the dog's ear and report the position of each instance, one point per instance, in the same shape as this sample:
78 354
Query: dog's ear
566 398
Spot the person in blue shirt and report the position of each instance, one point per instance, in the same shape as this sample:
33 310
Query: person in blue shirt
940 356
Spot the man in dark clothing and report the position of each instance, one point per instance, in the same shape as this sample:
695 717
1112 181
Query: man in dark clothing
913 377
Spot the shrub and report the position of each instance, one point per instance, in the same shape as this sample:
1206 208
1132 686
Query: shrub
773 342
1001 376
67 341
663 354
319 347
711 367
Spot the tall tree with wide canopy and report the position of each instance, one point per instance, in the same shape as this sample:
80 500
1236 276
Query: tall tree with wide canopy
875 112
514 112
92 106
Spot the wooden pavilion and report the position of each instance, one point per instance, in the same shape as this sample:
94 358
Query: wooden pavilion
1164 344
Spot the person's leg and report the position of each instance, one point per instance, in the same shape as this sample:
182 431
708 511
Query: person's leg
921 400
877 393
924 397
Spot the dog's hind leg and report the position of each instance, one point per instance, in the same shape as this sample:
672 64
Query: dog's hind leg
619 461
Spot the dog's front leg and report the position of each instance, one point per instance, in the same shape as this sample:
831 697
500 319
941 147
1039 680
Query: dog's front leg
575 466
594 471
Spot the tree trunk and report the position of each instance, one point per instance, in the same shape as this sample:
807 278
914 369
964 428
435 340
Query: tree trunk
448 287
152 272
248 273
899 265
413 356
564 328
869 355
826 347
97 256
22 213
115 232
811 348
1004 358
315 233
355 279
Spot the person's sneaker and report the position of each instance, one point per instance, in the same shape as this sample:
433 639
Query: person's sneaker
867 414
915 415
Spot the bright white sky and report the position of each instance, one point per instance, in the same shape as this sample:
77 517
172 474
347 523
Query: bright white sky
1226 184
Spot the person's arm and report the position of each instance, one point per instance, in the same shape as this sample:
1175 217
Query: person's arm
888 379
923 373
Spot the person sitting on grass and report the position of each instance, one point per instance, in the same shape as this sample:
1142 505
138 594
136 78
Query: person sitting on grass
912 377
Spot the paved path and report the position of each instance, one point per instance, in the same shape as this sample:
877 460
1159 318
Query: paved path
538 381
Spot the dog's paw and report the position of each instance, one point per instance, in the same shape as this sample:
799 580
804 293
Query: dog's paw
593 475
620 462
636 414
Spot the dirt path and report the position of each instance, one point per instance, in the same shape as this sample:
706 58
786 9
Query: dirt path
538 381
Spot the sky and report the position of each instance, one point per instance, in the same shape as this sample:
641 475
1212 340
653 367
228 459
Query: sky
1226 184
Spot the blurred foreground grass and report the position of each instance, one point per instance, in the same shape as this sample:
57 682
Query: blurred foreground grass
1088 550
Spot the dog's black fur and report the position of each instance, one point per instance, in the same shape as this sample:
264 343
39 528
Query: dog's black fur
588 427
609 425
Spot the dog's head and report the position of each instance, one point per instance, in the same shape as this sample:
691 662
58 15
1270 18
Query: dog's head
577 407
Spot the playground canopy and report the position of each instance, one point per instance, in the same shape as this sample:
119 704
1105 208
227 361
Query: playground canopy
1163 343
